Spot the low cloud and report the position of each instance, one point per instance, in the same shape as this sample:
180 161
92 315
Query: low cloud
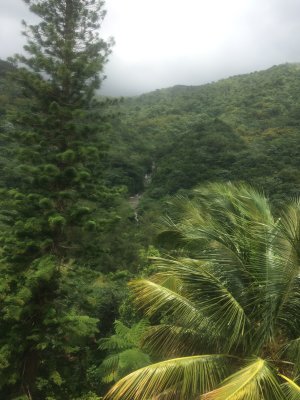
165 42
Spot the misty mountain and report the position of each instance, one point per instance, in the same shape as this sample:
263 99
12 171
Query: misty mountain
244 128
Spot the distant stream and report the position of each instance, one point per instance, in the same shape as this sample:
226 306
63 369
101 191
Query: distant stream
135 200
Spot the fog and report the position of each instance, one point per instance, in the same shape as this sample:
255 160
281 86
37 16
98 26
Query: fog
161 43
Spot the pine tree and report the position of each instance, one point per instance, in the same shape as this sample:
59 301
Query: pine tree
55 205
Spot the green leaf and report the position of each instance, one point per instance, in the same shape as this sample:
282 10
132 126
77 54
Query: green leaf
256 381
290 388
185 377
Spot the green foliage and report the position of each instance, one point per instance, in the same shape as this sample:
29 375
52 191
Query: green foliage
244 128
229 292
291 389
89 396
55 206
125 351
61 154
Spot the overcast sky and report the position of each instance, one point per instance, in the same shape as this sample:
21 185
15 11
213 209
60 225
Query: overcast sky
161 43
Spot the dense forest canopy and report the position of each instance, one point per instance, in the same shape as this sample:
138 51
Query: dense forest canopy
96 192
244 128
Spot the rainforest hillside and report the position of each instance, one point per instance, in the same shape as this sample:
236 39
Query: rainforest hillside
89 201
119 280
244 128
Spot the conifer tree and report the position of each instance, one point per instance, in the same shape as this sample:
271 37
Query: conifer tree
55 205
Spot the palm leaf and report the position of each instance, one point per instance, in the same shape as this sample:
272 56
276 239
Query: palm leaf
288 248
209 293
234 282
292 351
256 381
290 389
169 340
232 227
185 377
154 298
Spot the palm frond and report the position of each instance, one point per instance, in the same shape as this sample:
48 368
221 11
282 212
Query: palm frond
154 298
291 389
169 340
292 351
289 308
167 280
238 199
288 249
233 282
290 222
116 366
256 381
232 227
210 294
185 377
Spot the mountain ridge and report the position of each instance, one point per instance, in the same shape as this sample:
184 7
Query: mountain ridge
226 130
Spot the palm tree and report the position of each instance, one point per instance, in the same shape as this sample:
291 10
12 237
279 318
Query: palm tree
228 299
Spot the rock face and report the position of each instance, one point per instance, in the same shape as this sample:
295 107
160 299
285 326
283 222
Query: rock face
134 201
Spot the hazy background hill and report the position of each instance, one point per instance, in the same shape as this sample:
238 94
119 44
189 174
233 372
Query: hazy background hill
246 127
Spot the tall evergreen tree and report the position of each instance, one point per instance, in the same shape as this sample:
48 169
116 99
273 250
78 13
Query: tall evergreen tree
55 205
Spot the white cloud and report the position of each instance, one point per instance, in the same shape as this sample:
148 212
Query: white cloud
166 42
